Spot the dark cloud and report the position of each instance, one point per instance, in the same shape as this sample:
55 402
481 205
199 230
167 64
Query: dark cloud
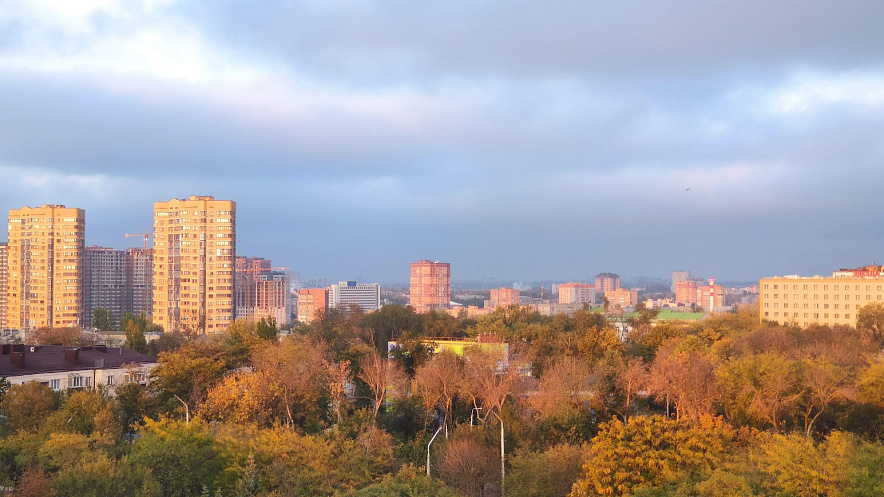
517 140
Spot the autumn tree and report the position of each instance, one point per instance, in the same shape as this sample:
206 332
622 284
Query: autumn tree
760 388
487 380
684 373
379 374
550 473
651 451
631 377
187 373
438 382
25 406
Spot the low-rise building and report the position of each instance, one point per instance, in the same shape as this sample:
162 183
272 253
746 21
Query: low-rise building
65 368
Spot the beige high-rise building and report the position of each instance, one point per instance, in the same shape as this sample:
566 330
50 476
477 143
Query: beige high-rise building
3 271
45 267
193 264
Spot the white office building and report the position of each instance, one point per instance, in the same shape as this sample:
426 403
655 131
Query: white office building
346 293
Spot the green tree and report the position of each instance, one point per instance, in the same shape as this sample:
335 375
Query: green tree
25 406
102 319
135 339
266 329
870 318
550 473
408 482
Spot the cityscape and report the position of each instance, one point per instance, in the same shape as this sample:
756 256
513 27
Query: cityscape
478 249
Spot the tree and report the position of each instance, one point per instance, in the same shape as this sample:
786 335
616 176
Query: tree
438 382
824 383
135 339
266 329
25 406
102 319
188 373
550 473
487 381
651 451
631 378
760 388
469 465
871 319
684 373
408 482
243 397
379 374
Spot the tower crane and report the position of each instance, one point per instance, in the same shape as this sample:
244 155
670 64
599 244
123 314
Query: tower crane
142 235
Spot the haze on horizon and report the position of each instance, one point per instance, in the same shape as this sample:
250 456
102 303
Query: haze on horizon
516 140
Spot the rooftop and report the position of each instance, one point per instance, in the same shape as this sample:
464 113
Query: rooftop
18 360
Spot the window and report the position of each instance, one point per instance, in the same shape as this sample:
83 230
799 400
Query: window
109 380
76 382
847 316
55 384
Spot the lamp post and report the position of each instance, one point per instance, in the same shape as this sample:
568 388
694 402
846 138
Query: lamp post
502 453
428 448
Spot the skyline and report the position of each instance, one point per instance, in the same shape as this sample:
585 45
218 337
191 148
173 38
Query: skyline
525 143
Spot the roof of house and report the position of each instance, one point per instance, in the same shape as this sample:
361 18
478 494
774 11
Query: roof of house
18 360
673 315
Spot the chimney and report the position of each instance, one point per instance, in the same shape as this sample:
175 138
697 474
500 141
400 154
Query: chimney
72 356
17 359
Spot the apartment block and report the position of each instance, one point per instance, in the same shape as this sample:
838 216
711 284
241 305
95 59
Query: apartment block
367 296
45 267
193 264
680 276
139 281
686 291
577 293
4 269
826 300
430 286
105 282
607 282
503 297
622 298
312 303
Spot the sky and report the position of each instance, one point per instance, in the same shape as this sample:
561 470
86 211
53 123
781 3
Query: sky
516 140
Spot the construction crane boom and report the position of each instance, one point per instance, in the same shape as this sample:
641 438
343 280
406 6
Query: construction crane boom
140 235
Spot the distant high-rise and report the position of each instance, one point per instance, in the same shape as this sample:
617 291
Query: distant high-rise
105 282
577 293
45 267
430 286
607 282
367 296
261 292
193 264
139 281
3 274
503 297
680 276
312 303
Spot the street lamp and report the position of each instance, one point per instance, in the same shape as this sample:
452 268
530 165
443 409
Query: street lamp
502 453
428 447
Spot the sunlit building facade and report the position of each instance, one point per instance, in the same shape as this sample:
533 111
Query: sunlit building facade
430 288
193 264
45 267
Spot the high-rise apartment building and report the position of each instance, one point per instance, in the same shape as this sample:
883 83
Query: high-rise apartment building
680 276
193 264
577 293
430 286
312 303
503 297
3 274
607 282
826 300
261 292
105 282
686 291
367 296
45 267
139 281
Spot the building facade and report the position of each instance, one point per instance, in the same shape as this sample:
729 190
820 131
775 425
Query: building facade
577 293
45 267
367 296
831 301
105 282
686 291
607 282
312 303
139 281
430 288
3 275
193 264
503 297
622 298
680 276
